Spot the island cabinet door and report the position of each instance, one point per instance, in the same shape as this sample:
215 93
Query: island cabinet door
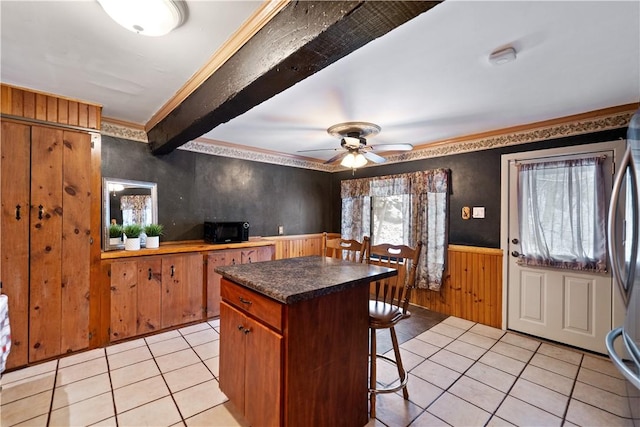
263 375
250 367
232 354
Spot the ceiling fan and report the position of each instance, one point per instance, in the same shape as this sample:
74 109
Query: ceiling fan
354 143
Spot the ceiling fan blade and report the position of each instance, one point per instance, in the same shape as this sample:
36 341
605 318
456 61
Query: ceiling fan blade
374 157
336 158
391 147
319 149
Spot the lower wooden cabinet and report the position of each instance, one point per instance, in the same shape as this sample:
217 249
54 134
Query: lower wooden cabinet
153 293
229 257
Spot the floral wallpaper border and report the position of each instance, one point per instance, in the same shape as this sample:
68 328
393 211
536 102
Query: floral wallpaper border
577 127
120 131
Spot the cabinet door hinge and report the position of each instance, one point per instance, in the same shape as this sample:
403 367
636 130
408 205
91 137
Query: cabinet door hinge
90 335
0 284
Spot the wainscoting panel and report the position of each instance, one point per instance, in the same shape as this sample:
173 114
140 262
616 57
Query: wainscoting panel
472 288
297 246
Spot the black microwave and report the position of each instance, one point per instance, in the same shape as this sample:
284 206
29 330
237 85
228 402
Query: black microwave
226 232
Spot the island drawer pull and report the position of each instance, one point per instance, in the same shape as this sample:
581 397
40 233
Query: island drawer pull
244 301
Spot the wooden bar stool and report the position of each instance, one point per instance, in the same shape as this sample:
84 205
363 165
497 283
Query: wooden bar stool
388 305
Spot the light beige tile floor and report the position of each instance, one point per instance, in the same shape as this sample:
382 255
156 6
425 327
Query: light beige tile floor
461 374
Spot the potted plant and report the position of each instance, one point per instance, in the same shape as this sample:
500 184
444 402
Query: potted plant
153 232
132 233
115 234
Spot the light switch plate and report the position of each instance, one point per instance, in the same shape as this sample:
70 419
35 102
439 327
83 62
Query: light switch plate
478 211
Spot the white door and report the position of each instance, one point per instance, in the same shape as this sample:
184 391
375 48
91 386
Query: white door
571 307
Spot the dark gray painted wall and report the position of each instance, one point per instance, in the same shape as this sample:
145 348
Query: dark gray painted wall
475 181
195 187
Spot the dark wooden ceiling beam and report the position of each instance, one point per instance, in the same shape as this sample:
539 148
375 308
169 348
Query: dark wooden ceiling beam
303 38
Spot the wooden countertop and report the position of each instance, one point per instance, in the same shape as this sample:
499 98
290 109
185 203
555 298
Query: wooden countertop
297 279
185 246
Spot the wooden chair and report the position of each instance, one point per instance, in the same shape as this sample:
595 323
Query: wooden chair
347 249
388 305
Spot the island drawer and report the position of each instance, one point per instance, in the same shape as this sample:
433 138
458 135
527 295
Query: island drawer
259 306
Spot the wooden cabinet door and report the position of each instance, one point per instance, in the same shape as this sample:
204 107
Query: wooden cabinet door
263 374
232 355
124 283
182 289
15 149
76 241
45 305
216 259
262 253
60 235
149 295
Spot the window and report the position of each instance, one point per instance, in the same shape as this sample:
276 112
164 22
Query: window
401 209
389 220
562 214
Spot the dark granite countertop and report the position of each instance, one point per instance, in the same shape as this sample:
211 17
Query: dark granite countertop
297 279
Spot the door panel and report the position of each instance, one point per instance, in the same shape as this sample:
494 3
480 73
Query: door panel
232 355
124 278
571 307
76 241
532 302
15 148
578 301
46 243
149 297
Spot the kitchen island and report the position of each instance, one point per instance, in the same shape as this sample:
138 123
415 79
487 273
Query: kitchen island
294 340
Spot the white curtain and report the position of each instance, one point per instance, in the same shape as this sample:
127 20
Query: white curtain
562 210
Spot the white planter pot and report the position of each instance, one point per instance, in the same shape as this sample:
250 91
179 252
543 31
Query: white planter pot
132 244
115 241
153 242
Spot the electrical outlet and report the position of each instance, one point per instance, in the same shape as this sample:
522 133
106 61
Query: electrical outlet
280 230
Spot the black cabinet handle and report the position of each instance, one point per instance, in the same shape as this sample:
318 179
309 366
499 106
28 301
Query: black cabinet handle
40 211
249 260
150 275
240 328
245 301
173 270
18 212
246 331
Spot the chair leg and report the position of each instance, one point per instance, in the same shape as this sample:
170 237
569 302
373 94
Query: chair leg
372 375
401 371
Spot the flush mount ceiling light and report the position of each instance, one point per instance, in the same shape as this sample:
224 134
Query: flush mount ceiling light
146 17
502 56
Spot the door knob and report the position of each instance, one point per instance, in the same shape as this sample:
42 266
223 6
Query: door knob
515 241
515 254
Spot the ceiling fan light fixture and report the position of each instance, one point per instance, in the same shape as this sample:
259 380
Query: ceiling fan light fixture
353 161
146 17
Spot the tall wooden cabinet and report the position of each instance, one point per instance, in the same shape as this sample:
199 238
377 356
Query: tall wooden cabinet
46 238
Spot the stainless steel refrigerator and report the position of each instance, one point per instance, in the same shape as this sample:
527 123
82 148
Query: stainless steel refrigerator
623 234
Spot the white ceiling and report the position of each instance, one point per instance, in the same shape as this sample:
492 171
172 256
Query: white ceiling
425 81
